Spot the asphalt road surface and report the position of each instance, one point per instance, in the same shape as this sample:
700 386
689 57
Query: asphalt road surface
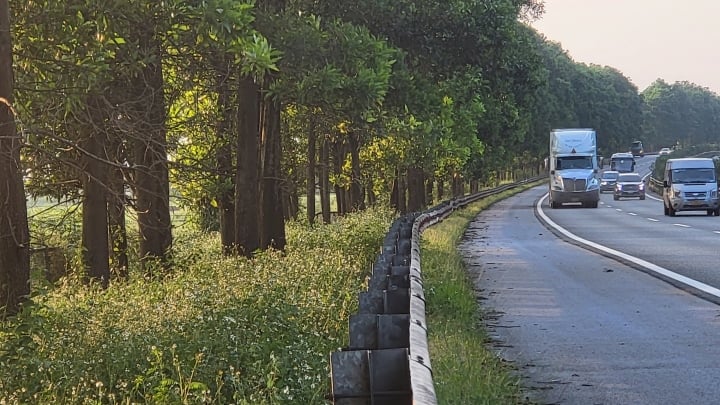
585 328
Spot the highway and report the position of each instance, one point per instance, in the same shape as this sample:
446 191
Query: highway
612 305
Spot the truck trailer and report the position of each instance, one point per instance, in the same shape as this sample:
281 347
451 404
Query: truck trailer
573 167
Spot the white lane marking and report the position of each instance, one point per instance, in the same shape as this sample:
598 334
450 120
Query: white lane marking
640 262
716 232
632 213
653 219
682 225
618 209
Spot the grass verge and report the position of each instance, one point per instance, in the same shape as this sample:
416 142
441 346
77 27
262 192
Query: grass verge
464 370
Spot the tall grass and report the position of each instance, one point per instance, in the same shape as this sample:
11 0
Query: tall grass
464 370
216 330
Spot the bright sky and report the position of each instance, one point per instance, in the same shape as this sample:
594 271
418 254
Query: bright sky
644 39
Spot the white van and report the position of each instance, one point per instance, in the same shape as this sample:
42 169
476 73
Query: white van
690 184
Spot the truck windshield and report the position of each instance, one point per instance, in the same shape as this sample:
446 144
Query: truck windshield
622 164
684 176
574 162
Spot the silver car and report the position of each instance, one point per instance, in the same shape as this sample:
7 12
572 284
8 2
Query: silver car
629 185
608 180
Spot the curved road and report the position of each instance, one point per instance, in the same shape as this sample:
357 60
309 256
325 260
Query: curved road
587 328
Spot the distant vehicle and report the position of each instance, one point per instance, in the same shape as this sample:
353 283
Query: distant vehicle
629 185
690 184
636 148
608 180
665 151
622 162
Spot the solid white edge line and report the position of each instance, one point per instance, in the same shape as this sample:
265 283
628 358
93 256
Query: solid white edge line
640 262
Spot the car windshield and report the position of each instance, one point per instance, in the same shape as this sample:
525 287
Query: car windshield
610 176
680 176
629 178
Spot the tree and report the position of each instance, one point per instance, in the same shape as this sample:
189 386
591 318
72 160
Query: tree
14 233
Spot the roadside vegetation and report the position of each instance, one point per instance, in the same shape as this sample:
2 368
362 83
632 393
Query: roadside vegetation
710 150
218 329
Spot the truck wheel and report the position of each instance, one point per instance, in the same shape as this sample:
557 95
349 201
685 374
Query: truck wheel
710 212
642 197
616 198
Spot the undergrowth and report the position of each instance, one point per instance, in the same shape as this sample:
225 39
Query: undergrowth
215 330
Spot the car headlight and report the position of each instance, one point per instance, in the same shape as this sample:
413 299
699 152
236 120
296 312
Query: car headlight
713 194
642 186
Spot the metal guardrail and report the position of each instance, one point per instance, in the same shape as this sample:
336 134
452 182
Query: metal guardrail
387 360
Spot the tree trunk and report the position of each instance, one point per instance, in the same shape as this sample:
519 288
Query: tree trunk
225 172
325 182
95 243
395 193
354 191
247 208
116 224
429 180
272 222
416 189
371 197
338 160
311 159
458 185
151 165
14 233
401 193
292 201
440 185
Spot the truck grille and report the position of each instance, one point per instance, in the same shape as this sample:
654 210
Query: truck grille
574 184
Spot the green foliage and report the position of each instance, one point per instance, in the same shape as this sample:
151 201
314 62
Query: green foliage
708 150
57 225
218 330
681 114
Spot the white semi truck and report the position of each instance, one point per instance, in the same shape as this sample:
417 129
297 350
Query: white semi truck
574 167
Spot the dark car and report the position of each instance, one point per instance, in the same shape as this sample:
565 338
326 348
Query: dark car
608 180
629 185
636 148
